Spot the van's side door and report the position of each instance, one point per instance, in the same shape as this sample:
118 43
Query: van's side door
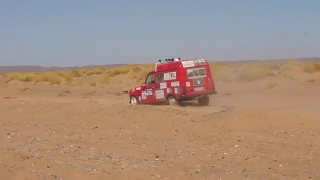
160 90
147 92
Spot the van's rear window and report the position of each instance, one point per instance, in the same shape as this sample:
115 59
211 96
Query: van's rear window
196 72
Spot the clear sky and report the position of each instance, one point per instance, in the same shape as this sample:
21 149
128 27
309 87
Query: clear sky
94 32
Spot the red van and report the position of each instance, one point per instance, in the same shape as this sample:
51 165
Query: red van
174 81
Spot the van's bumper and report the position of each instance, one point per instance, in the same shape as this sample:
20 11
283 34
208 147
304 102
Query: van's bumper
186 97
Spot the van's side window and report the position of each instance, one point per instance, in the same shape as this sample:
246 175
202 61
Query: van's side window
160 77
197 72
150 79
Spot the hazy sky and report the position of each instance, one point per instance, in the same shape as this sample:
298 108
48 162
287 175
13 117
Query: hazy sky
83 32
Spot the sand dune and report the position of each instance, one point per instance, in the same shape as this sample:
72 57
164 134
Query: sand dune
263 124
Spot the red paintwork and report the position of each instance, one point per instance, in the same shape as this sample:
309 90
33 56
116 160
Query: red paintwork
181 91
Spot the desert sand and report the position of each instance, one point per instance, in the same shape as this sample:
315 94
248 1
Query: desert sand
264 123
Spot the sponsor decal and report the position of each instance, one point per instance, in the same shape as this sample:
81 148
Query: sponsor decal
177 90
175 84
187 63
166 76
149 92
198 81
163 85
173 75
159 94
144 95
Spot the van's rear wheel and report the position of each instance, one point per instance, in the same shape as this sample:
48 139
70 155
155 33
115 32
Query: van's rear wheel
204 101
171 100
133 100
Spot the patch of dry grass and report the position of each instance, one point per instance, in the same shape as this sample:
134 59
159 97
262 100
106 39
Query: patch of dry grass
311 67
245 72
58 78
310 80
103 76
271 84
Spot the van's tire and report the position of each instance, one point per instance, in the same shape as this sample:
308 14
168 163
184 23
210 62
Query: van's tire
133 100
204 101
171 100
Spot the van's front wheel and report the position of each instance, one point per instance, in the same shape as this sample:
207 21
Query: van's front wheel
171 100
204 101
133 100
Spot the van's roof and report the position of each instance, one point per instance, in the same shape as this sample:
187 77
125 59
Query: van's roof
164 66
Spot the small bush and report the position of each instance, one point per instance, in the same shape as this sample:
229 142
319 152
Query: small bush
271 85
311 67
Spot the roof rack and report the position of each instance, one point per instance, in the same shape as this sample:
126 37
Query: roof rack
171 60
167 61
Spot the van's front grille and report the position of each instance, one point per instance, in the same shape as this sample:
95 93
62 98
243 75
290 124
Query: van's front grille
198 82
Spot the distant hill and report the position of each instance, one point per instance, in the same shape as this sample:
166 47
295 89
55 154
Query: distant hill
6 69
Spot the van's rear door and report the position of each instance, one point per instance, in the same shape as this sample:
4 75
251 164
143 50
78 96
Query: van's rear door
198 80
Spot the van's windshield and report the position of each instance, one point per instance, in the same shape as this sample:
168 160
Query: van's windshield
196 72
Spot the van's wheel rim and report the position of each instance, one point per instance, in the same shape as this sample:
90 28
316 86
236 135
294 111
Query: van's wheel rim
133 100
172 100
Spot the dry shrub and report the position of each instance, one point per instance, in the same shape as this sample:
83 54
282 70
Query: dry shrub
289 65
249 74
59 78
221 71
311 67
76 73
252 72
93 84
87 72
140 72
290 77
23 77
271 84
311 80
243 72
217 68
103 79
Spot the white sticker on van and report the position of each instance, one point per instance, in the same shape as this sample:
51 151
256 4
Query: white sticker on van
188 84
149 92
163 85
187 63
173 75
138 88
177 90
166 76
169 90
144 95
159 94
175 84
199 62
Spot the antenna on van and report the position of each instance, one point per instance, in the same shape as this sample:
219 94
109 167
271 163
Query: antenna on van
159 60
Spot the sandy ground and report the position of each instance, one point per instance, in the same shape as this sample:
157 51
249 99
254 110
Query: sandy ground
247 132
